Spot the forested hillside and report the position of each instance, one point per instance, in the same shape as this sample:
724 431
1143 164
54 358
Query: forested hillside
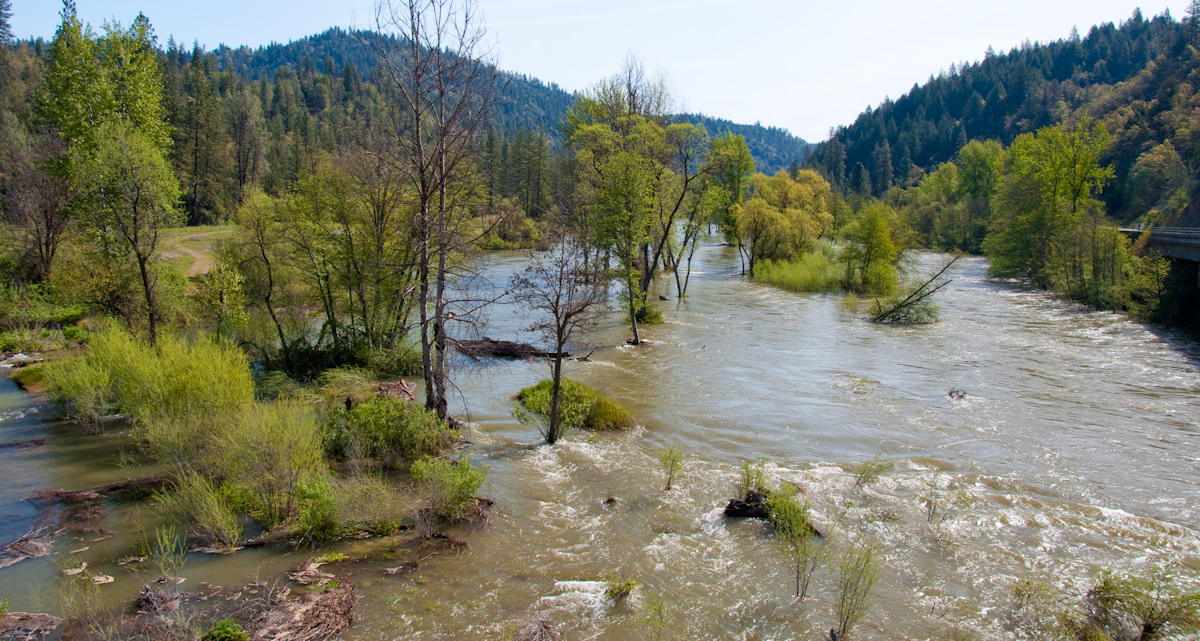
1138 78
526 103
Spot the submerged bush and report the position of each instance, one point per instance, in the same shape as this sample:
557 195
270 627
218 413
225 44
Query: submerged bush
617 587
387 429
579 406
317 504
450 490
1141 608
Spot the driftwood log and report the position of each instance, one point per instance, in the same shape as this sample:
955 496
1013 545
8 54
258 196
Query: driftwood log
489 348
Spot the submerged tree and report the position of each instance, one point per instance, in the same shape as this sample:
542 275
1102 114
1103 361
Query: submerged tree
572 296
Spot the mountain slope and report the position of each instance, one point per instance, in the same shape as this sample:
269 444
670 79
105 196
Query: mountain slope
526 102
998 98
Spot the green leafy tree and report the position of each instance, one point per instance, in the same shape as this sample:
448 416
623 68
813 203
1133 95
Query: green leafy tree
1053 180
220 295
129 194
870 253
78 93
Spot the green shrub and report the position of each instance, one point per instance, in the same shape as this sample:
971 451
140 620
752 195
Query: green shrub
369 503
1141 608
579 406
449 489
401 360
198 501
176 392
317 502
226 630
650 315
387 429
751 479
75 333
671 460
857 573
870 470
83 388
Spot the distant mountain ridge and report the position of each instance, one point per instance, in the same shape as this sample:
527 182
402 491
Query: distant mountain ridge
527 102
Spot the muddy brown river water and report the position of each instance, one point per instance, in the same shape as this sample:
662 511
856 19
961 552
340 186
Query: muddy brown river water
1074 449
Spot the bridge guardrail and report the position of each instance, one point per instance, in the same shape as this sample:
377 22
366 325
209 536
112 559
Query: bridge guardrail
1174 232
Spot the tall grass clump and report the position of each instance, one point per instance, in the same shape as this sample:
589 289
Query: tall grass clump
386 430
449 489
815 271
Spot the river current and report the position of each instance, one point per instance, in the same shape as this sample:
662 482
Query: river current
1074 449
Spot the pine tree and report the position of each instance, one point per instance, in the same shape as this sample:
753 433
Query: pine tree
6 33
1191 23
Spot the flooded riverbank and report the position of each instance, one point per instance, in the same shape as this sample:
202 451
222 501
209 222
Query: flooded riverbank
1075 448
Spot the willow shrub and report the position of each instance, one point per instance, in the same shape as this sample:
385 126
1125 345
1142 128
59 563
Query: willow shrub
275 448
579 407
450 490
369 503
205 508
387 430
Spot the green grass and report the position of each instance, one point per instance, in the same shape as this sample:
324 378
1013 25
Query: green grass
815 271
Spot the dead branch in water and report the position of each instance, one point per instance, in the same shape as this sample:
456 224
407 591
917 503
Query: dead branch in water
907 310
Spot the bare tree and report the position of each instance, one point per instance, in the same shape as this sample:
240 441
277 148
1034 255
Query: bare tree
37 200
572 296
442 90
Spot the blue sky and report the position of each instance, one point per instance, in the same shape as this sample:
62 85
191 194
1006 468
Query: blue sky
802 65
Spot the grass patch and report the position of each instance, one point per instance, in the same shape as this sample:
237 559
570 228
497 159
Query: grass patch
816 271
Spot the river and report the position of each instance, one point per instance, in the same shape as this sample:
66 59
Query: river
1074 449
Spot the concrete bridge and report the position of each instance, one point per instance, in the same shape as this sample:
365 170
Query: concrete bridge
1182 243
1179 243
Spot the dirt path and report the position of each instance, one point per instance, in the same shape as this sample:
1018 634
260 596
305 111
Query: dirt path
204 261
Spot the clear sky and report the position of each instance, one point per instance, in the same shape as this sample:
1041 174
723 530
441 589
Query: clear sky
803 65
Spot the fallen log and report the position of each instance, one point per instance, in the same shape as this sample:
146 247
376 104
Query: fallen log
489 348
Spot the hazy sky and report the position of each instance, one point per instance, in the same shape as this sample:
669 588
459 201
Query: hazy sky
802 65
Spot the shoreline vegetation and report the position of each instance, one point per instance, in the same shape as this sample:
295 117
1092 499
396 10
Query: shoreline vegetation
288 358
